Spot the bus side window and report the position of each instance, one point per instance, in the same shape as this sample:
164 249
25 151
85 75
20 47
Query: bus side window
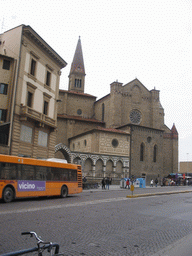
12 172
41 172
2 171
8 171
18 171
72 175
56 173
49 174
63 174
28 172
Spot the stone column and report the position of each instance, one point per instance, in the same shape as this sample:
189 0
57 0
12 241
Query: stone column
104 170
93 170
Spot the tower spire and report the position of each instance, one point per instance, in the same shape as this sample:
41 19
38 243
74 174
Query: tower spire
77 71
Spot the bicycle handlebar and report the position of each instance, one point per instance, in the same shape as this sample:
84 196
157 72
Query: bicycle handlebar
35 249
45 245
32 233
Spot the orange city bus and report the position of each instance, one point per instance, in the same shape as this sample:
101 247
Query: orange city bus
28 177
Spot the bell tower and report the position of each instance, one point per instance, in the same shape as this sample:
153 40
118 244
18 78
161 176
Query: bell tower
77 72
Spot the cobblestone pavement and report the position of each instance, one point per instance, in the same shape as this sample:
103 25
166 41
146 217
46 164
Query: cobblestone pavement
101 222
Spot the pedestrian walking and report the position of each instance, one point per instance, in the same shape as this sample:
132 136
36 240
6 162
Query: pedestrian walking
107 183
156 181
127 183
151 183
103 183
84 179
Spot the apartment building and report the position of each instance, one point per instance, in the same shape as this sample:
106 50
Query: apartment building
29 85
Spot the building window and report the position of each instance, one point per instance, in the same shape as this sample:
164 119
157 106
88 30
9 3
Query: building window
48 78
47 98
135 117
26 133
33 65
79 111
3 115
45 108
43 139
115 143
149 139
3 88
30 94
155 154
78 83
6 64
29 99
103 112
85 143
4 138
142 149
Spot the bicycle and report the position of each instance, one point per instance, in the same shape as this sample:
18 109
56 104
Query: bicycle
52 248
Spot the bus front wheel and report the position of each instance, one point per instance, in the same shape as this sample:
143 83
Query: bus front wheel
8 195
64 191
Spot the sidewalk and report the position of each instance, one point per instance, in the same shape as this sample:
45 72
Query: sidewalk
148 191
111 187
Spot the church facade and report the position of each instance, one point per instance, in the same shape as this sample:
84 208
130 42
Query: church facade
117 136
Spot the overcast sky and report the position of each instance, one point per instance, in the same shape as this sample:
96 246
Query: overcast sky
121 40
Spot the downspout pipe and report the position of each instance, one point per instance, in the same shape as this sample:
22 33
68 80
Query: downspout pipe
130 152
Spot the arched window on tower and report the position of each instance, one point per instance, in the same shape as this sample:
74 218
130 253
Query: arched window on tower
142 149
155 154
103 112
78 83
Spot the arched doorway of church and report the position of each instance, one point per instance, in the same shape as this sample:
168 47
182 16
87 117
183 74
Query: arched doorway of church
87 170
109 169
99 173
119 170
63 152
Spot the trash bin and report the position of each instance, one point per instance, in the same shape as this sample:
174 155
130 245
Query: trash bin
137 183
123 182
141 182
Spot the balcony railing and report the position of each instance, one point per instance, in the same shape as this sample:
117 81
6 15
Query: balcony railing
27 112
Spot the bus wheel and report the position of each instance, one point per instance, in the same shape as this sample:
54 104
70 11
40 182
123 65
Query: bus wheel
64 191
8 195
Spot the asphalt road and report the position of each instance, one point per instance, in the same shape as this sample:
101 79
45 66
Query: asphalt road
104 222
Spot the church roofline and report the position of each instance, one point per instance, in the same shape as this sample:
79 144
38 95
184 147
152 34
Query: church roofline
167 127
77 93
108 95
79 118
136 79
144 127
123 85
100 129
114 130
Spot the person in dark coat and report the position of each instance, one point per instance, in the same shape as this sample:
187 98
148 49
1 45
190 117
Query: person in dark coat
103 183
156 181
107 182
